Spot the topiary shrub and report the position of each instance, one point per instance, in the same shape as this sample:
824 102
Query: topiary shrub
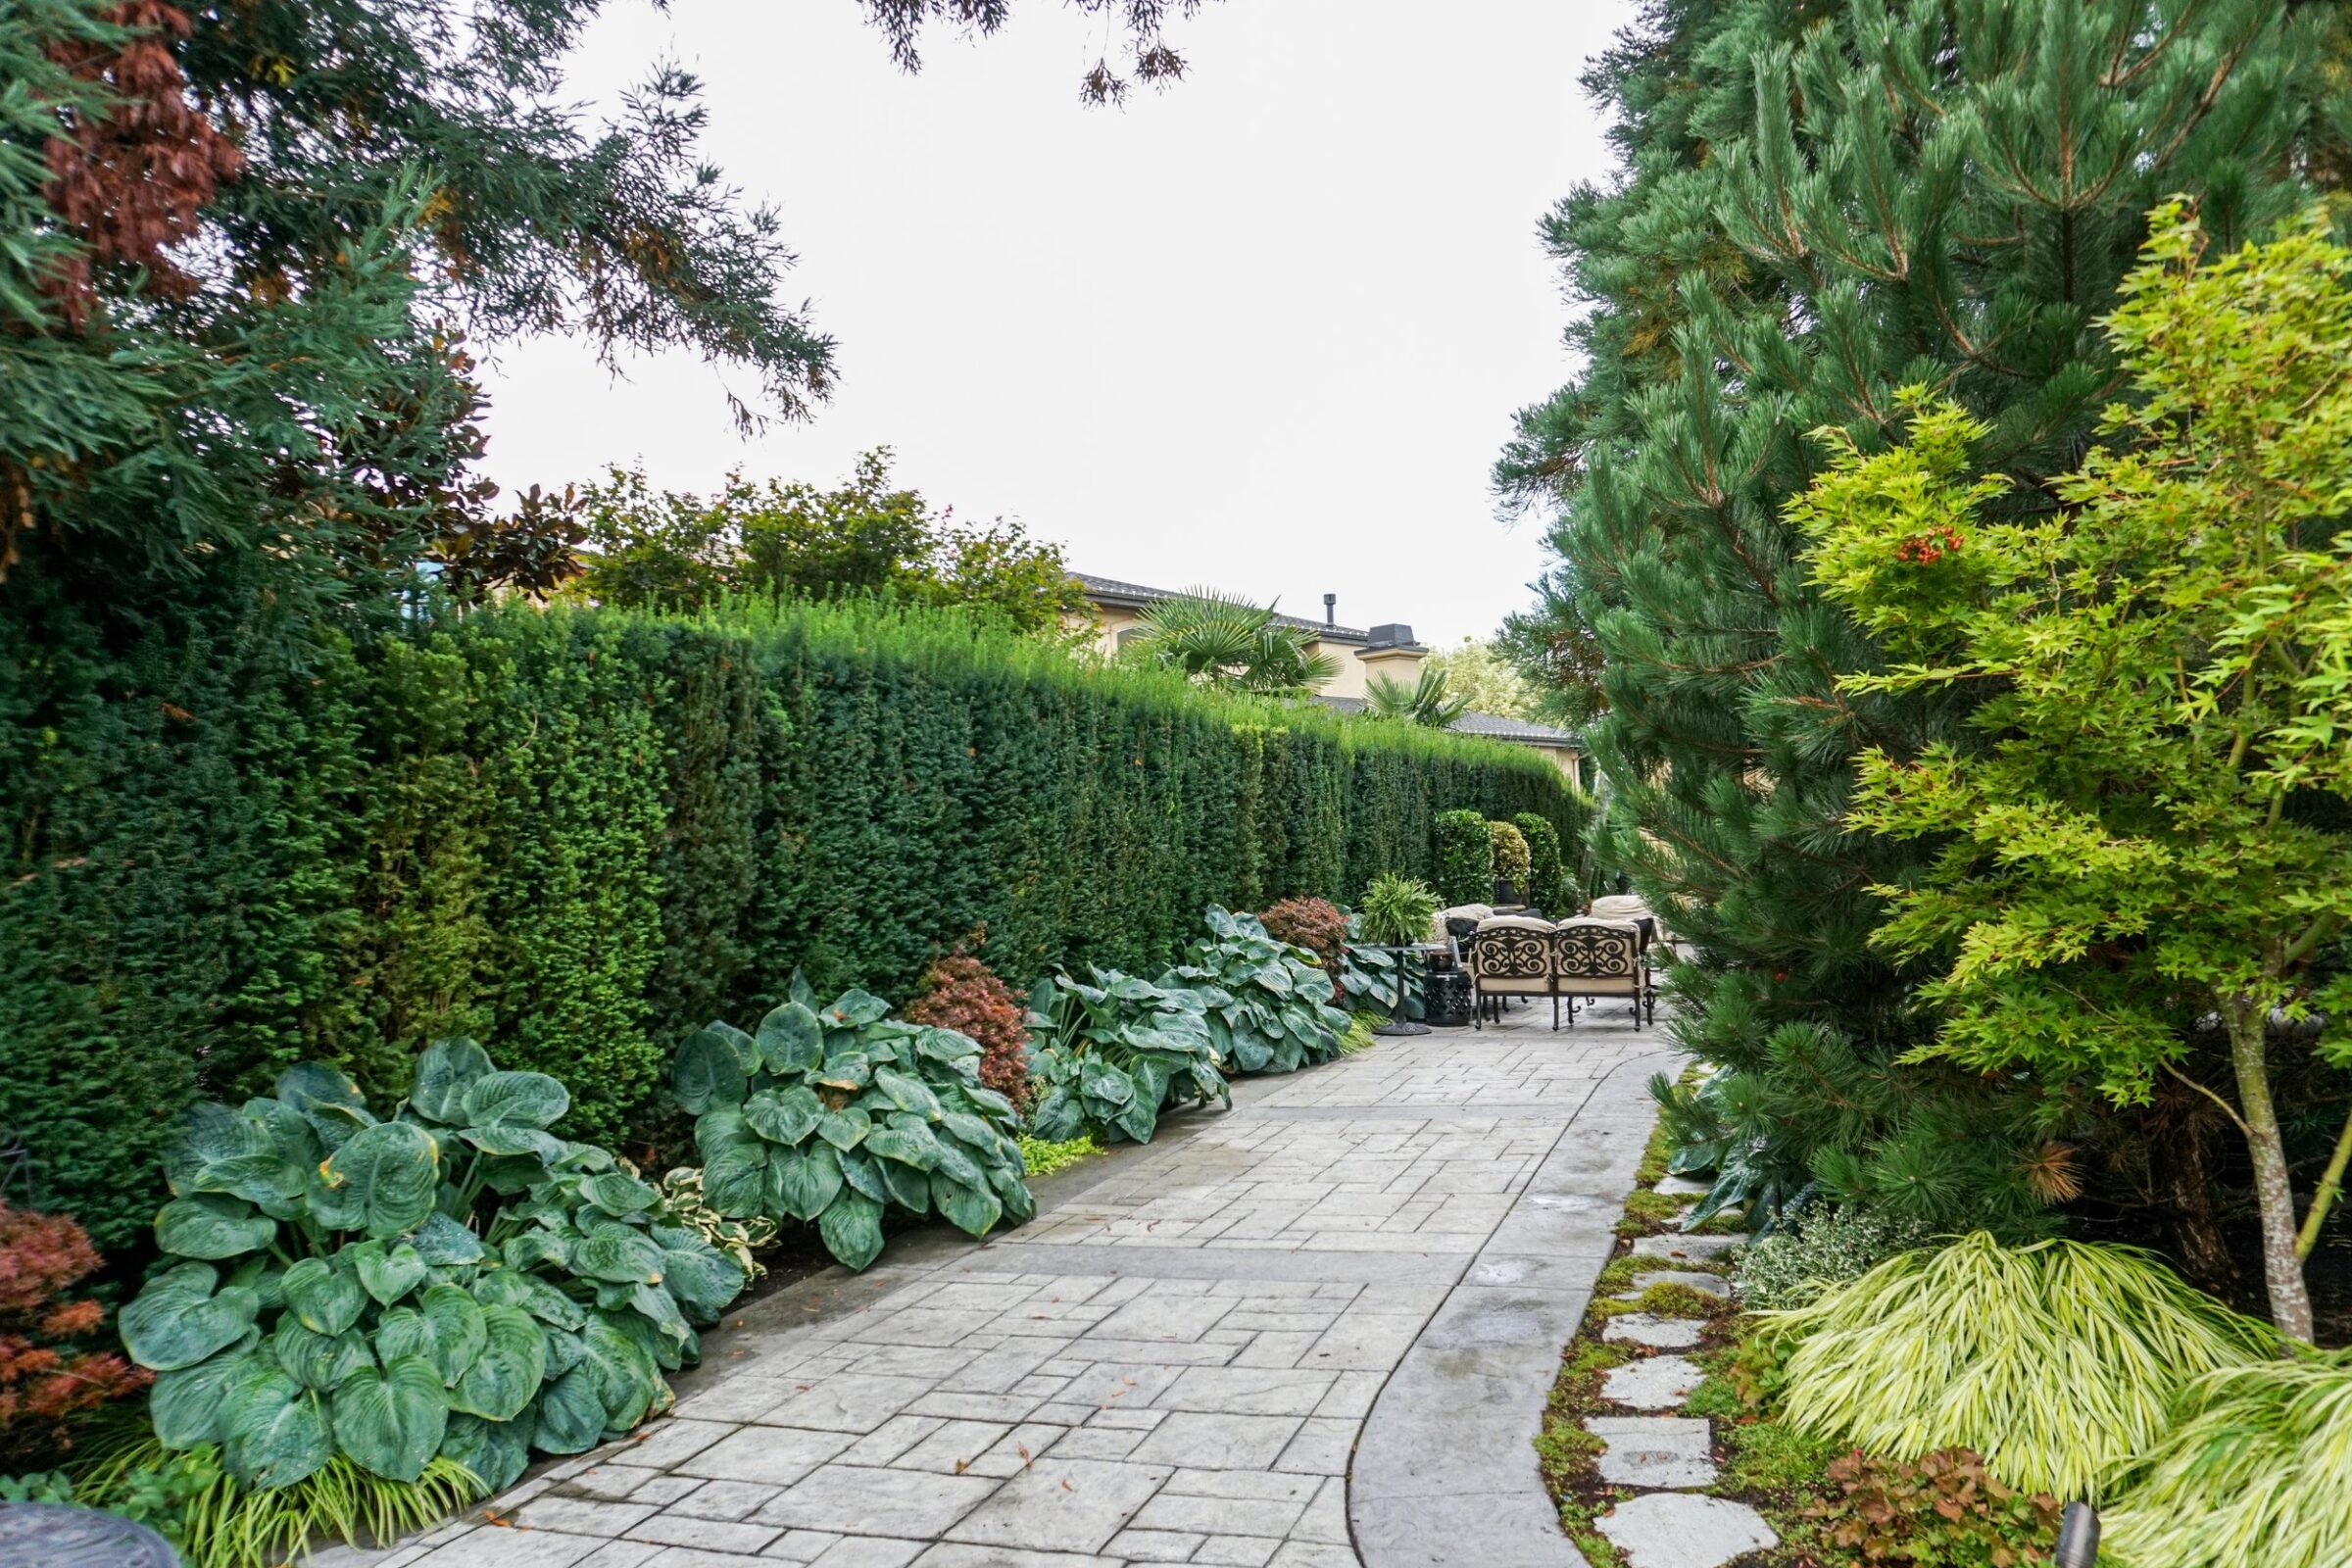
454 1283
2057 1361
49 1376
1511 857
1315 924
964 993
1547 872
837 1114
1465 859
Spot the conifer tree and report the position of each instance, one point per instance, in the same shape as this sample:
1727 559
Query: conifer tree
1821 204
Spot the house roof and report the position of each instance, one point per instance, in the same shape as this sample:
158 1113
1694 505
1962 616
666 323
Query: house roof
1493 726
1135 593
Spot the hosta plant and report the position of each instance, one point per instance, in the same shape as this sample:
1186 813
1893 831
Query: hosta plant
1318 925
1111 1056
1387 977
454 1281
1265 1001
837 1114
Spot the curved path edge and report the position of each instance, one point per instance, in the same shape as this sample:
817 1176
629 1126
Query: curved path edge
1445 1469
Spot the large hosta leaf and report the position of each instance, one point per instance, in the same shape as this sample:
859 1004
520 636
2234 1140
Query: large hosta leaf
972 1209
511 1139
791 1039
321 1299
536 1246
1020 1205
571 1412
276 1429
735 1179
617 1253
800 1183
381 1180
907 1140
507 1286
446 1329
212 1134
846 1070
909 1095
494 1452
947 1044
708 1073
507 1375
845 1128
326 1099
387 1272
392 1422
179 1321
618 1194
185 1406
444 1072
628 1379
956 1166
910 1186
1059 1118
213 1226
517 1098
852 1228
855 1010
318 1360
863 1174
700 1276
784 1115
444 1243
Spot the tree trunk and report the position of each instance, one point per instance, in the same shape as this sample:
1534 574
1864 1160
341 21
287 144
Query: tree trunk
2281 1268
2181 1166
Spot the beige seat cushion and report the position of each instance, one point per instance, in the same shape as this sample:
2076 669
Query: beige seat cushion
1460 911
1620 906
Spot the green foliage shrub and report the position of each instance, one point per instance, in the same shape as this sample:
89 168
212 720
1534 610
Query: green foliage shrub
1397 910
1114 1055
2056 1361
1465 873
1821 1246
1511 855
228 844
1548 886
837 1114
455 1282
2256 1472
1264 999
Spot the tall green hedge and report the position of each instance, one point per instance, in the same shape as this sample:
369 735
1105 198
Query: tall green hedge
578 834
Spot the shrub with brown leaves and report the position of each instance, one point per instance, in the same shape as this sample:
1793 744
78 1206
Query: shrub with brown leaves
1945 1511
962 992
46 1377
1315 924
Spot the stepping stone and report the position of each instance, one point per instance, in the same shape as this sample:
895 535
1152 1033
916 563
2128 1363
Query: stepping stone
1687 1248
1670 1530
1661 1382
1658 1333
1683 1187
1706 1283
1654 1451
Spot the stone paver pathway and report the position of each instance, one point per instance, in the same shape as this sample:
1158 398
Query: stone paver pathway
1177 1362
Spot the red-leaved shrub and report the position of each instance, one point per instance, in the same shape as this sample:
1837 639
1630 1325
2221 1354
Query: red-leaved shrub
46 1379
959 992
1315 924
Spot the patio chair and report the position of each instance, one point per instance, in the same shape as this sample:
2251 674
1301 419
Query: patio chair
1511 955
1596 959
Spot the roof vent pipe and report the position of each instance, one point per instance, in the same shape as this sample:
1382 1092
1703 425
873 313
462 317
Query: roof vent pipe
1331 610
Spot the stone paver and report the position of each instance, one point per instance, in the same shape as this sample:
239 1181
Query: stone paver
1654 1451
1659 1333
1688 1249
1661 1382
1323 1321
1674 1530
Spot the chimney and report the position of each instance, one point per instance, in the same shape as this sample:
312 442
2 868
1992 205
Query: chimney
1331 610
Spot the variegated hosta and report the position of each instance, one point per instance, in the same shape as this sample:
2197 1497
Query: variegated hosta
837 1113
1109 1057
453 1280
1266 1000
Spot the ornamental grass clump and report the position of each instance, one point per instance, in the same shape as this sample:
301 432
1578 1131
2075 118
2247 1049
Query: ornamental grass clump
2056 1361
2255 1473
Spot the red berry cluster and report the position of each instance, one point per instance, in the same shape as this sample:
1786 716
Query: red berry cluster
1926 549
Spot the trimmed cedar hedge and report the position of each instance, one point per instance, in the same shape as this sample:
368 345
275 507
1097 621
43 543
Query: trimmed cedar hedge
576 834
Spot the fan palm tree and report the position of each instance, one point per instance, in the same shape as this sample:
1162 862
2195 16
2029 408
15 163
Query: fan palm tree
1425 701
1220 640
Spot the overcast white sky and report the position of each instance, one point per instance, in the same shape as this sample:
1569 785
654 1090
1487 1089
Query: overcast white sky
1264 330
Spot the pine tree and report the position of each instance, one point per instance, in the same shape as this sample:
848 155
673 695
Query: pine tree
1823 204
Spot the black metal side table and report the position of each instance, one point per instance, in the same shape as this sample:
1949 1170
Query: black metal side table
1445 999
